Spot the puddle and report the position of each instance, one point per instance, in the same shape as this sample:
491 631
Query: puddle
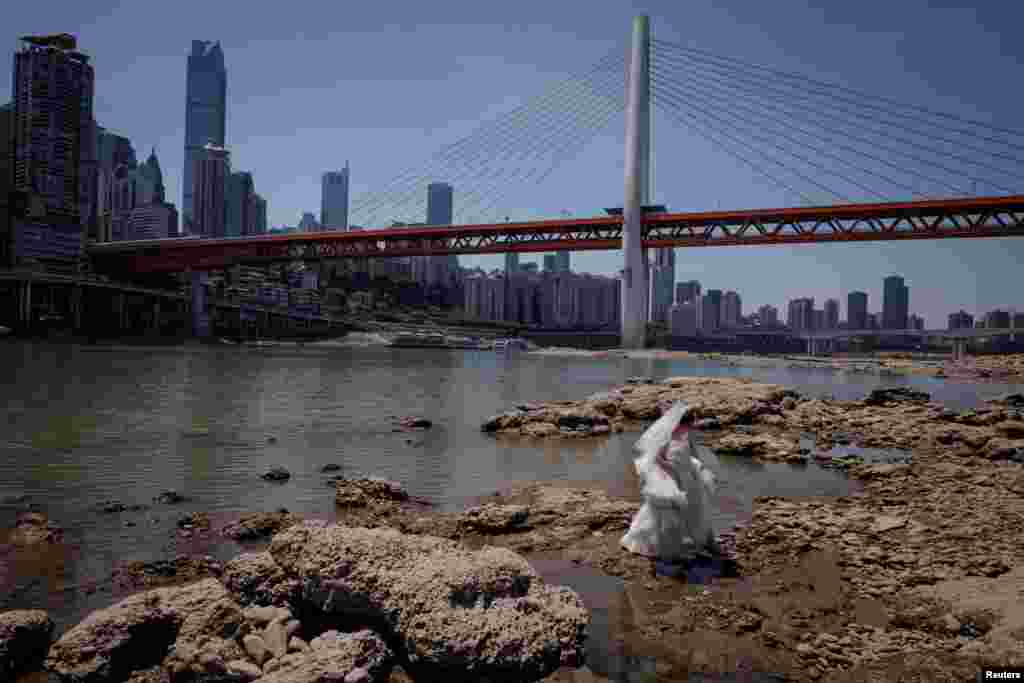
840 456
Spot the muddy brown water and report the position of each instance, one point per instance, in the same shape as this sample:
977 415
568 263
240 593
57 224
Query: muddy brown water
83 425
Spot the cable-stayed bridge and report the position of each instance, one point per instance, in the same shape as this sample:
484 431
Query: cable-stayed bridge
863 167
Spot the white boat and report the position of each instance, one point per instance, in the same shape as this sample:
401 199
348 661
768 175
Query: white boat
510 344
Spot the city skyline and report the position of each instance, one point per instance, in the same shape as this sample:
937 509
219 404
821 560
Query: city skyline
485 72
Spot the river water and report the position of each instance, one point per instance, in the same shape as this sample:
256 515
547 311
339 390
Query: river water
84 424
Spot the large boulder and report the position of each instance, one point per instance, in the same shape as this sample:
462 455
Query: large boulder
259 525
24 639
137 632
367 491
256 579
494 519
31 528
360 657
461 615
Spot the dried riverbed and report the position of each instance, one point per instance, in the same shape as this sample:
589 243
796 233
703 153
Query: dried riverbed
916 577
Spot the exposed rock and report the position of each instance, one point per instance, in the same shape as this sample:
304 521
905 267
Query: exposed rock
114 506
440 598
416 423
256 648
502 422
141 574
276 473
765 447
256 579
31 528
639 380
169 497
331 467
276 639
1010 400
581 418
360 657
241 670
1005 449
259 525
194 521
708 423
24 639
1011 429
296 644
882 396
366 491
493 519
136 632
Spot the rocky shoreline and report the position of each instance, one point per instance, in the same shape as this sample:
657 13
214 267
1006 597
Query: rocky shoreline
917 577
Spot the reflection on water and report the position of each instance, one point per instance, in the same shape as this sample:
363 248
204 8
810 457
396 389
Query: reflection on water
90 424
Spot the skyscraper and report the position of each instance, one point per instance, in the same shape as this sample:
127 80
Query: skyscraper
895 303
662 283
732 310
831 314
334 199
687 291
205 113
857 311
259 215
550 263
6 181
53 93
961 320
562 262
511 262
440 201
238 204
308 223
209 185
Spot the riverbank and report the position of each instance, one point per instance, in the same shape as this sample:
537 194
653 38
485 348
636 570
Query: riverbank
919 569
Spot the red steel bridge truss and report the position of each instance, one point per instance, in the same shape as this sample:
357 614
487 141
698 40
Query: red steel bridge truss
975 217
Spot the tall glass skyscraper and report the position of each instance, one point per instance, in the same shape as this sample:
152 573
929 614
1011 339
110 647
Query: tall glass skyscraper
334 200
895 303
206 85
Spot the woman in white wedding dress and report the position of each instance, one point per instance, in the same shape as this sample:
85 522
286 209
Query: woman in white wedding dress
677 482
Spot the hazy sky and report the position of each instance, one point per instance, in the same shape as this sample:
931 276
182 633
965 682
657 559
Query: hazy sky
386 84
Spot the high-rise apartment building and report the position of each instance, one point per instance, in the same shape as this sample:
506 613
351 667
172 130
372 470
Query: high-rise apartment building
209 185
238 219
857 311
800 314
6 183
831 314
732 310
684 318
205 116
895 303
440 210
334 199
308 223
768 315
258 211
662 283
711 311
915 322
961 320
997 320
511 262
53 94
687 291
124 186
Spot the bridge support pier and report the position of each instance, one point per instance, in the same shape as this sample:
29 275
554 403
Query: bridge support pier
634 274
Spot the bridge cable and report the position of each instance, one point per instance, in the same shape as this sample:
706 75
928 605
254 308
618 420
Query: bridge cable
733 73
566 148
558 138
802 112
679 102
490 148
674 113
705 56
496 124
478 138
501 151
733 106
497 151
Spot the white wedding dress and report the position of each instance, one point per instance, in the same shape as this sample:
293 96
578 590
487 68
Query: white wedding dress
677 482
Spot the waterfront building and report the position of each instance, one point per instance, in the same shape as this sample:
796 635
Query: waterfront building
334 199
205 116
662 284
156 220
6 182
511 262
800 314
818 319
961 320
732 310
258 211
711 311
768 316
308 223
831 314
684 319
238 204
53 134
895 303
210 183
915 322
857 311
550 300
687 291
997 320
